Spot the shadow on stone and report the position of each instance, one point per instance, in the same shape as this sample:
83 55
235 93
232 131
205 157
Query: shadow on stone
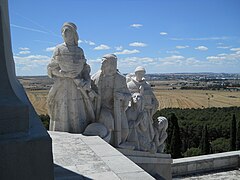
158 177
61 173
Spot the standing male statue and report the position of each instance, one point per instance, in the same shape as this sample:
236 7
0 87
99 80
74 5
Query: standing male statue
69 105
137 84
113 99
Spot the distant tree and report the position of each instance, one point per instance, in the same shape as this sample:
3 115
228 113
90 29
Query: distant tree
192 152
45 120
204 143
220 145
238 136
233 134
176 143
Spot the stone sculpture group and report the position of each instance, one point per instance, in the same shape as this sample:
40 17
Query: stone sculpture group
117 108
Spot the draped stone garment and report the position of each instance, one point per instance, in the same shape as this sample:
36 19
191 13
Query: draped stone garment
109 110
69 106
150 100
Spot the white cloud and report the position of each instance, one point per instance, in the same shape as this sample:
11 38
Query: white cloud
173 52
136 25
80 41
91 43
137 44
200 39
30 58
163 33
224 47
31 64
174 59
24 52
201 48
225 58
24 49
170 62
178 60
126 51
50 49
133 62
181 47
235 49
118 48
102 47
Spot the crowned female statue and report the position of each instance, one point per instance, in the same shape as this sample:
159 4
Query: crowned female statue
69 103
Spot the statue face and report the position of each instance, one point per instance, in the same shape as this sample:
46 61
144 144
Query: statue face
139 75
108 67
136 97
68 36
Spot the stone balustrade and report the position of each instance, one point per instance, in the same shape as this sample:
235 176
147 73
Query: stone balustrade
206 163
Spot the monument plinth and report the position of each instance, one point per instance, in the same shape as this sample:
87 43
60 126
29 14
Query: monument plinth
14 113
25 146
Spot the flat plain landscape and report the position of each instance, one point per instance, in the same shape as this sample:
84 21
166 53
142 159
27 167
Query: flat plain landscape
196 98
172 90
175 98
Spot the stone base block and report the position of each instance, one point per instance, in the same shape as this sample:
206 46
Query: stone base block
28 157
13 118
158 165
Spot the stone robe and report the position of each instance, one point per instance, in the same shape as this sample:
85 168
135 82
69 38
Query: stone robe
69 106
111 104
150 101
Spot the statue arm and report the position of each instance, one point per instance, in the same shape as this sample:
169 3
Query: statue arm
143 124
53 67
85 75
162 138
55 71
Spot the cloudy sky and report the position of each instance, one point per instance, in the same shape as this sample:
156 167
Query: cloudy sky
164 36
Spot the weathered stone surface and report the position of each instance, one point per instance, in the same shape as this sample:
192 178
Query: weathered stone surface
227 174
144 134
14 113
112 100
78 157
25 146
157 164
69 104
205 163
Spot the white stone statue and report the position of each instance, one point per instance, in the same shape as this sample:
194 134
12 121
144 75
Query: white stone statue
160 130
112 100
141 132
69 104
144 134
137 83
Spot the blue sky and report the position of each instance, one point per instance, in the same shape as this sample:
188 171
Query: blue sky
164 36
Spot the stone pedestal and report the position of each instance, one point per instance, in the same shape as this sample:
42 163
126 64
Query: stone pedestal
158 164
25 146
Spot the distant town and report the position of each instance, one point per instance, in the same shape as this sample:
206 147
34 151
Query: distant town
201 81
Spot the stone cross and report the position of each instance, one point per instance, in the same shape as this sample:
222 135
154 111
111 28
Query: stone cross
25 146
13 113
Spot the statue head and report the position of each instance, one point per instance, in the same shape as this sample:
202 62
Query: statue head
161 123
109 64
140 73
137 101
69 33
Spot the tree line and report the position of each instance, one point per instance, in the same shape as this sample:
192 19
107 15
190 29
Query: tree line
193 132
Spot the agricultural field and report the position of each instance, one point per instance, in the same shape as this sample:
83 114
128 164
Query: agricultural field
196 98
175 98
38 99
